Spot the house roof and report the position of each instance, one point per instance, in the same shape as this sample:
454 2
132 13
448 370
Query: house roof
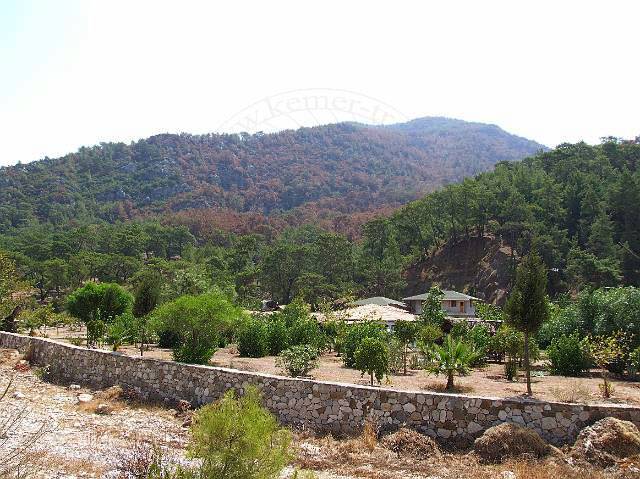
377 312
448 296
370 312
380 301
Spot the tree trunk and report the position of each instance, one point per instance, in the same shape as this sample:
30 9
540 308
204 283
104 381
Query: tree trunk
527 366
450 380
371 378
405 359
605 391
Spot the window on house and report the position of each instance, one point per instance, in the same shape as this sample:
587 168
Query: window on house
452 303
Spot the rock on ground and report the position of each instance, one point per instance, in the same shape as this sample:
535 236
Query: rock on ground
510 440
606 442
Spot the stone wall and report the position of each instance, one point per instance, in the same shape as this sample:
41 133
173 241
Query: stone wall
320 406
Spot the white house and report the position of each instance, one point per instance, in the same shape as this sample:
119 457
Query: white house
453 303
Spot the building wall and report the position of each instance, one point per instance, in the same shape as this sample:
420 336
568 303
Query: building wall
320 406
470 310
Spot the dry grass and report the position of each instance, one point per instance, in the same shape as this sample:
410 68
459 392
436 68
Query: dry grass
572 393
106 401
353 458
441 387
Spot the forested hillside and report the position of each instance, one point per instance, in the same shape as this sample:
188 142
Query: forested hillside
578 205
328 175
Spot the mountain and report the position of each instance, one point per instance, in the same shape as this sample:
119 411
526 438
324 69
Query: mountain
309 174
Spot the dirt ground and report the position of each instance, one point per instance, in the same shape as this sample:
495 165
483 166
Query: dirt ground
486 381
76 442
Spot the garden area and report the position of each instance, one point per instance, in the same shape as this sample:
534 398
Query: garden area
580 344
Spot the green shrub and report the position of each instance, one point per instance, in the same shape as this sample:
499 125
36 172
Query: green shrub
253 339
562 322
634 362
121 330
330 331
198 323
305 331
278 336
460 330
480 338
168 338
429 334
454 357
236 438
372 357
568 355
355 334
396 355
298 360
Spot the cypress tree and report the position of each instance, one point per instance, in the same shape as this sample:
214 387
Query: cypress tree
527 307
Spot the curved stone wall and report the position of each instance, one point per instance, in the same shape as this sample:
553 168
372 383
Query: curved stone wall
320 406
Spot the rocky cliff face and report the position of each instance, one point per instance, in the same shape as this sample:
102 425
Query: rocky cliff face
480 266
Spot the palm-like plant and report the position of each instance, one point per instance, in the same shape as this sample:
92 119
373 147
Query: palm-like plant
453 357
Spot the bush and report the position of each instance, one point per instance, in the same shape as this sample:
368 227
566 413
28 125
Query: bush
611 310
121 330
168 338
198 323
563 322
298 360
253 339
97 305
236 438
278 336
568 355
453 357
355 334
634 362
396 355
372 357
460 330
305 331
480 338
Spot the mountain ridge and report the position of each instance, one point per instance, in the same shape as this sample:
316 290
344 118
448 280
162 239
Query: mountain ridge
343 168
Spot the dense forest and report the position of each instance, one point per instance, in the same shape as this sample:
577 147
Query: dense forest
577 205
334 175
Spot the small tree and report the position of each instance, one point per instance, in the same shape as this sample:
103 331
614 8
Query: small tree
372 357
406 332
236 438
528 307
253 338
453 357
147 297
96 305
199 323
605 351
354 334
432 311
298 360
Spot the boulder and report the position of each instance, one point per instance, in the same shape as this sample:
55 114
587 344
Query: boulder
407 442
606 442
510 440
85 397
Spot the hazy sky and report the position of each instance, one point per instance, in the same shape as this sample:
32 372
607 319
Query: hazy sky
80 72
